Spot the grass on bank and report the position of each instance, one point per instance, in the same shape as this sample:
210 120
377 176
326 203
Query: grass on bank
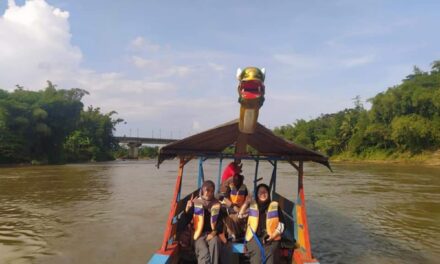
425 157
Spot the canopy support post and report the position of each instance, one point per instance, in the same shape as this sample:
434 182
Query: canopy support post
169 227
300 177
219 174
294 165
201 177
304 238
273 178
257 162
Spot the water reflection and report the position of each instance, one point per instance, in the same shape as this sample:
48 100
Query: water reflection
33 201
340 239
381 214
116 212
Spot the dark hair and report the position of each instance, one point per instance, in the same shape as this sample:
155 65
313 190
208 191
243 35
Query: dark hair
238 179
207 184
264 186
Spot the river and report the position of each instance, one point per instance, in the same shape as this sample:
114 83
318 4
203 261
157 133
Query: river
116 212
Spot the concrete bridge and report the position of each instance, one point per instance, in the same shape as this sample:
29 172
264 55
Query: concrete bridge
134 143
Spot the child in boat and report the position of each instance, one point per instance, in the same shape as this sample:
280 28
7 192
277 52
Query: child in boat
205 212
233 198
264 228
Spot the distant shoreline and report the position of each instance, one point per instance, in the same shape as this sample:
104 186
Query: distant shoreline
30 164
425 158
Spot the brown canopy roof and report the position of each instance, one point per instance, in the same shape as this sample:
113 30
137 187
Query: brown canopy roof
215 140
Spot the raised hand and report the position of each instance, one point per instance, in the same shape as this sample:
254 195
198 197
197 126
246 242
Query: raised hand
248 200
190 203
227 202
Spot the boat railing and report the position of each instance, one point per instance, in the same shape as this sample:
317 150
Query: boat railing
176 223
288 209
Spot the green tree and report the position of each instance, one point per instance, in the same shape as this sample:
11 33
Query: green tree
435 66
93 139
405 117
49 124
412 132
149 152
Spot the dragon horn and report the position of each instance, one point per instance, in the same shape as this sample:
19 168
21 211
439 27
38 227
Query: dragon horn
239 71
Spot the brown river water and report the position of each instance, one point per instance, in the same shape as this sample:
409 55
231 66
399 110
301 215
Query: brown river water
116 212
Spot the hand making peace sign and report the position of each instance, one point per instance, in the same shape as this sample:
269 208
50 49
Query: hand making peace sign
190 203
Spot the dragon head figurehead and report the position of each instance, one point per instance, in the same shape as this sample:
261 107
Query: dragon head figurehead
251 84
251 91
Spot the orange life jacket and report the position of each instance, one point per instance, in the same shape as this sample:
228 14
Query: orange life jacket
238 196
272 220
198 217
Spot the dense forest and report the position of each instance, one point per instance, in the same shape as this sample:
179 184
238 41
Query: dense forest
51 126
403 119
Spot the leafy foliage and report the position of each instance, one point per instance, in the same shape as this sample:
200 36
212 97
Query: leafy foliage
50 126
93 139
148 152
406 117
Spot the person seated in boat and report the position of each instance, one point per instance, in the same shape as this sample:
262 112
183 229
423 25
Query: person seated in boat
233 198
205 212
264 228
230 170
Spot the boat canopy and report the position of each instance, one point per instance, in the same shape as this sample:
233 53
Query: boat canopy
214 141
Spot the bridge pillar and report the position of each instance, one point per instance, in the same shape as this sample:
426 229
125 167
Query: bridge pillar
133 149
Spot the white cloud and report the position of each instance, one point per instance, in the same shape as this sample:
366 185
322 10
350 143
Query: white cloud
166 62
35 44
298 61
358 61
160 68
115 84
140 43
182 71
196 125
216 67
283 98
140 62
174 86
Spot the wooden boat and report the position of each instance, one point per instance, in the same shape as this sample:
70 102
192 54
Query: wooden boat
267 147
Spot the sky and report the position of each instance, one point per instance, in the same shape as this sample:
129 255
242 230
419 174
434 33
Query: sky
168 67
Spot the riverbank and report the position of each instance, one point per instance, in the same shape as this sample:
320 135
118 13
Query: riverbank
37 164
45 163
425 158
431 158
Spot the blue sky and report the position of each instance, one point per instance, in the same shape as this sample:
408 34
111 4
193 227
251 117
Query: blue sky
169 67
